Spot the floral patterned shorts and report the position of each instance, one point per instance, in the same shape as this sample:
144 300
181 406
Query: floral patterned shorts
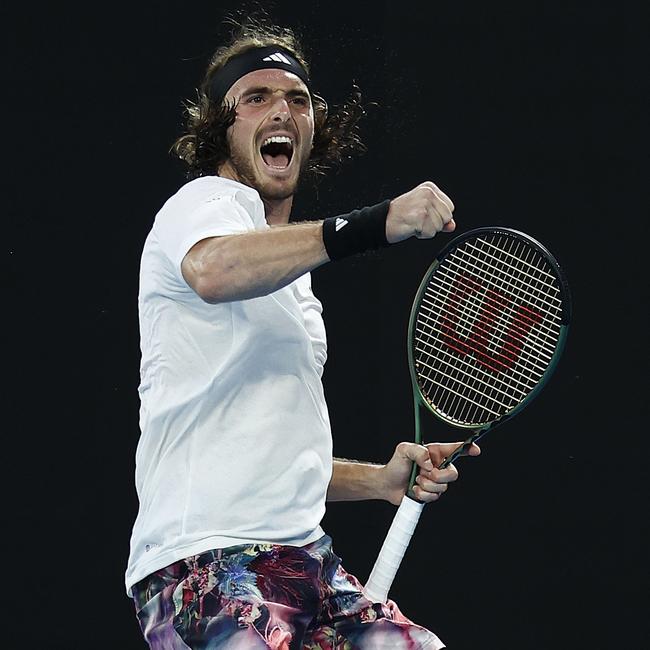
269 596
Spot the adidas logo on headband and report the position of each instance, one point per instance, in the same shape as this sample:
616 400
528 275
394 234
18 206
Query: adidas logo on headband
279 57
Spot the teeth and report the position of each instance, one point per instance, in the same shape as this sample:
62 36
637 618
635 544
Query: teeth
278 138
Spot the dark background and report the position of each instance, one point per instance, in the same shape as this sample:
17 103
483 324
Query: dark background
528 115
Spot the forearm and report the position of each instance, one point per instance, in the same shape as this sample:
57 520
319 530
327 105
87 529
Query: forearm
355 481
253 264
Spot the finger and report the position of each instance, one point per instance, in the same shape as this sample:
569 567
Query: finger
441 450
431 486
450 226
419 454
434 213
424 496
444 198
443 208
444 212
440 207
447 475
439 194
435 222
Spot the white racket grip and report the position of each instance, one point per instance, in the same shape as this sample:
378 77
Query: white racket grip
393 549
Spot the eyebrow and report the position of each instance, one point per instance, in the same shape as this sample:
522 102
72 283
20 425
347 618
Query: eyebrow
296 92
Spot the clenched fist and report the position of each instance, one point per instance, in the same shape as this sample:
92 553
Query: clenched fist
422 212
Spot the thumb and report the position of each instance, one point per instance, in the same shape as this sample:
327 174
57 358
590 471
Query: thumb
441 450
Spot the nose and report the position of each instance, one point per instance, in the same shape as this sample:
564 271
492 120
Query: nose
280 112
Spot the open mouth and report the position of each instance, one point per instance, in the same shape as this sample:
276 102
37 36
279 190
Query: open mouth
277 151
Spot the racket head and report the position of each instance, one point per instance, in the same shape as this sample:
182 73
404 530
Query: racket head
487 328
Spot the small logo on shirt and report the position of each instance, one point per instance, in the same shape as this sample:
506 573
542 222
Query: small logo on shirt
148 547
340 223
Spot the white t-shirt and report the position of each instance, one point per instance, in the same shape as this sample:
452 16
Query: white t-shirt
236 444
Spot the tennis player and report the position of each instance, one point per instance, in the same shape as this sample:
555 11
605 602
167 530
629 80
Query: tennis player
234 464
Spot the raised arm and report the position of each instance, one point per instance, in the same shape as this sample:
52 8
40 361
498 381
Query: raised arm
236 267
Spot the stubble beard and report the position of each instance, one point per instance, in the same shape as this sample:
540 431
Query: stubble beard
245 170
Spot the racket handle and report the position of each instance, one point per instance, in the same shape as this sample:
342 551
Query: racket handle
393 549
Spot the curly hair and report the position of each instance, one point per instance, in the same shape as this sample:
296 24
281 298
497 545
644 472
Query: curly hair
204 146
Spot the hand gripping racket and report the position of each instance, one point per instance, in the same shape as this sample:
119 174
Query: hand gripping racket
487 328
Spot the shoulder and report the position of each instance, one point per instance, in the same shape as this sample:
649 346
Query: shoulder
208 192
212 188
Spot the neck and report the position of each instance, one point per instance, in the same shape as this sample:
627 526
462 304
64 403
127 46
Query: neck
277 211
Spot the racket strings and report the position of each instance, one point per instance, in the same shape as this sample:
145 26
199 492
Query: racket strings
473 311
476 306
495 364
501 272
495 277
460 382
511 258
533 288
428 320
500 276
472 373
450 360
487 327
535 295
468 320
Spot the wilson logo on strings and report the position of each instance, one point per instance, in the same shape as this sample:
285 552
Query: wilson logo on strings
470 301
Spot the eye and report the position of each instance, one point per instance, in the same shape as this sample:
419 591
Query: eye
300 101
255 99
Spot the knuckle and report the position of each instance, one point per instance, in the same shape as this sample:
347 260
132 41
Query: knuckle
427 194
402 447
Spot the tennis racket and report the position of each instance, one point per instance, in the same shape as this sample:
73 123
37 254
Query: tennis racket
487 328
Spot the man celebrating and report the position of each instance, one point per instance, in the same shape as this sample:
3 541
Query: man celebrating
234 463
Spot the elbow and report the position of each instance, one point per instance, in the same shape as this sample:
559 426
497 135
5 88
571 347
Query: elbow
206 282
208 291
213 286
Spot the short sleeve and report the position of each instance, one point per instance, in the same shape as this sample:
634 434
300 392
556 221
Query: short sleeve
179 227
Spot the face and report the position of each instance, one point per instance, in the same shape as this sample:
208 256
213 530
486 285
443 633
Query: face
271 139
